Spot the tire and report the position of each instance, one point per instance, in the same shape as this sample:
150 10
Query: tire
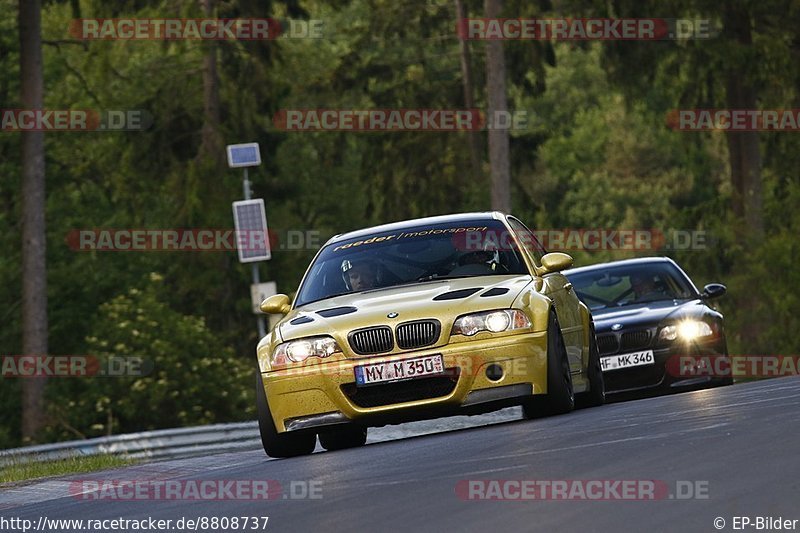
560 398
279 444
724 382
596 395
343 438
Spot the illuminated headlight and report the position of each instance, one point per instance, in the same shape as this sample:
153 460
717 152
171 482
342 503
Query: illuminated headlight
493 321
687 330
668 333
301 349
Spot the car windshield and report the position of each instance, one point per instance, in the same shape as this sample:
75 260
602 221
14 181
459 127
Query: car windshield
630 285
412 255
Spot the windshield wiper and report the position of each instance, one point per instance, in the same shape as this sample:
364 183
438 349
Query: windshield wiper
436 277
430 277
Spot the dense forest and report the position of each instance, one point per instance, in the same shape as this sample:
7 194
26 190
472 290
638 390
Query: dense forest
598 150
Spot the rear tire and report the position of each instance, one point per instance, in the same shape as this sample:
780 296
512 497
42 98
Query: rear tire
279 444
560 397
343 438
596 395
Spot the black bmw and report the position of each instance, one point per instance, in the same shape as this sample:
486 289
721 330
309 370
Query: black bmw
654 328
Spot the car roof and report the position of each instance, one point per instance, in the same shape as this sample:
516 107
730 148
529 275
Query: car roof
394 226
621 262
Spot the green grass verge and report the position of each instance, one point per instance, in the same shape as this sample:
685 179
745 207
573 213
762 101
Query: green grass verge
73 465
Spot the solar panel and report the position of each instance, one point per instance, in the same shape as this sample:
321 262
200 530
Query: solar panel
244 155
252 237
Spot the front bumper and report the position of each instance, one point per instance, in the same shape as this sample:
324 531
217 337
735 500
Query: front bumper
664 375
325 394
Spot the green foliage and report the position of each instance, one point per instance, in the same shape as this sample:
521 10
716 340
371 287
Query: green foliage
194 378
74 465
762 280
608 163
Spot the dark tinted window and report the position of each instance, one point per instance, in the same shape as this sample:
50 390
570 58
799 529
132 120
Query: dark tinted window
630 285
410 255
528 240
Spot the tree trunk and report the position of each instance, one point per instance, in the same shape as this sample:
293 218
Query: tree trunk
745 160
498 138
34 267
469 101
211 145
743 147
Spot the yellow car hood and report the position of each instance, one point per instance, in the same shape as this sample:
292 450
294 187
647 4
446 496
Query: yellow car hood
341 314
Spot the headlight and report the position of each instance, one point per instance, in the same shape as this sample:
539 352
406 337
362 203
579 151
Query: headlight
494 321
301 349
687 330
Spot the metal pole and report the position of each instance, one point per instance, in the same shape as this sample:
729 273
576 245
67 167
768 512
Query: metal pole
262 329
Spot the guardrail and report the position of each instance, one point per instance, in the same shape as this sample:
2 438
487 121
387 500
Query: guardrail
158 444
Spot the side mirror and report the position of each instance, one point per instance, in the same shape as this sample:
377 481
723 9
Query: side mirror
713 290
277 304
555 262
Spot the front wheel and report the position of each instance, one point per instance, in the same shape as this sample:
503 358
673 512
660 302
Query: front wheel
596 395
727 380
560 397
279 444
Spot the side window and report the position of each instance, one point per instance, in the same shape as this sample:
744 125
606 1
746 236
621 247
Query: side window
528 240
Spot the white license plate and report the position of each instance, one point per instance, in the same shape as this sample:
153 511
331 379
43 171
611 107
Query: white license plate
627 360
397 370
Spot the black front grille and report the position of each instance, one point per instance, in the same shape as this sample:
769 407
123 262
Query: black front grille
369 341
634 340
417 334
607 344
402 391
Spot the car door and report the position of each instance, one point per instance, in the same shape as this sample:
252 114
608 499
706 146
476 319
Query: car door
557 287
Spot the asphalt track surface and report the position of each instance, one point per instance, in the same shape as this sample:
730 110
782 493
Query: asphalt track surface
739 443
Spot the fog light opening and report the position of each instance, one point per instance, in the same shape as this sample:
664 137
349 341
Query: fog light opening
494 372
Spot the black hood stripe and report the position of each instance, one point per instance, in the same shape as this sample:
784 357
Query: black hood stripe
336 311
457 295
497 291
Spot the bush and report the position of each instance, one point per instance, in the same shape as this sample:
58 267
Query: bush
194 379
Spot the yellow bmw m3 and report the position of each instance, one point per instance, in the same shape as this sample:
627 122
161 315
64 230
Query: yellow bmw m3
456 314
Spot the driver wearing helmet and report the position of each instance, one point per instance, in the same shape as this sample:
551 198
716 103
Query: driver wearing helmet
481 257
488 257
360 275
